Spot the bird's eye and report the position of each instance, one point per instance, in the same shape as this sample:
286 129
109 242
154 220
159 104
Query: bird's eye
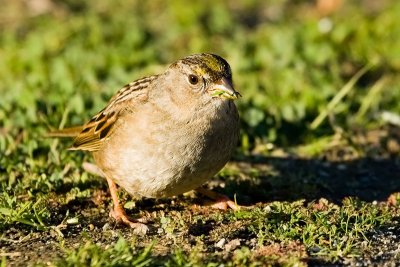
193 79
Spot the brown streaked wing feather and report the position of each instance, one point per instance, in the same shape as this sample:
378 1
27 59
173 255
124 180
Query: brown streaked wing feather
100 127
95 131
66 132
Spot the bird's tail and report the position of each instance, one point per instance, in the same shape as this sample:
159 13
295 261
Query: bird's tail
66 132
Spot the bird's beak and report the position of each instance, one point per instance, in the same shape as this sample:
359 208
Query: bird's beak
224 89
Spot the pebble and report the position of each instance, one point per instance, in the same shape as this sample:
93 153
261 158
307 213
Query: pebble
106 227
220 243
233 244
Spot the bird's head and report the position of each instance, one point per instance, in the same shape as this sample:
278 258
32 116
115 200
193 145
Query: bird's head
205 74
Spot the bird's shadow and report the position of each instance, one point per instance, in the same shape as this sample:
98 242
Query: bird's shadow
287 179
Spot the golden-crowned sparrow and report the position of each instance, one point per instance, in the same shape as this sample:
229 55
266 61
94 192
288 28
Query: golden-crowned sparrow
165 134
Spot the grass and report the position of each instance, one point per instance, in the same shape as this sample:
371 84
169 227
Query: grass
315 167
25 212
120 254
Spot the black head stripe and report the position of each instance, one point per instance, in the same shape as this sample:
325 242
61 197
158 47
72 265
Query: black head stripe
215 66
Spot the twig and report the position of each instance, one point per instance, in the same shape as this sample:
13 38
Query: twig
339 96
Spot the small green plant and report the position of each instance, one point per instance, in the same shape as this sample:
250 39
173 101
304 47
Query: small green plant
308 82
326 229
27 212
122 253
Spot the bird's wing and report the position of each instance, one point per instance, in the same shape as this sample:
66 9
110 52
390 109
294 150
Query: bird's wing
66 132
100 127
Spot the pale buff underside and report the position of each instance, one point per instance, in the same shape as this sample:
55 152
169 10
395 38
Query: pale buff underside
161 159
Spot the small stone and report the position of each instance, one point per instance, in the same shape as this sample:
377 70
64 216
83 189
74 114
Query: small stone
220 243
74 220
106 227
233 244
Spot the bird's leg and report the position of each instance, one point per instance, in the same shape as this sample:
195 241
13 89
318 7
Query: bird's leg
118 212
221 201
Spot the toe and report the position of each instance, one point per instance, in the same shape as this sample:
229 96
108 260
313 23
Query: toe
219 205
221 201
139 228
224 204
121 217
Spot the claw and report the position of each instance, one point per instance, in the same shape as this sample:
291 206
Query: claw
120 216
222 202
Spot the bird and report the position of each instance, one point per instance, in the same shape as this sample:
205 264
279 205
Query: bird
164 135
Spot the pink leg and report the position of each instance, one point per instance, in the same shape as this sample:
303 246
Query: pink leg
118 212
222 201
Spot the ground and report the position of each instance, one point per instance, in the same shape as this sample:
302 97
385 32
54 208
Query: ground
316 170
347 203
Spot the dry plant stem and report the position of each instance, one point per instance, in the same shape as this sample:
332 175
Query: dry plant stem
339 96
221 201
373 96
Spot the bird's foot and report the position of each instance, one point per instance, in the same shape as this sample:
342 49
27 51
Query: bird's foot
138 225
119 214
222 202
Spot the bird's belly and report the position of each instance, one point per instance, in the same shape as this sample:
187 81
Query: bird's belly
166 164
163 170
157 161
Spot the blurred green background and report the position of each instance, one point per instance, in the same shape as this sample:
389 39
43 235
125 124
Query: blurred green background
60 61
307 70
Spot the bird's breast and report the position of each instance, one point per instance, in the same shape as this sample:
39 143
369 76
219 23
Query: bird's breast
155 155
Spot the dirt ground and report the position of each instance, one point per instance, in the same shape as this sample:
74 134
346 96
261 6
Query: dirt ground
368 169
